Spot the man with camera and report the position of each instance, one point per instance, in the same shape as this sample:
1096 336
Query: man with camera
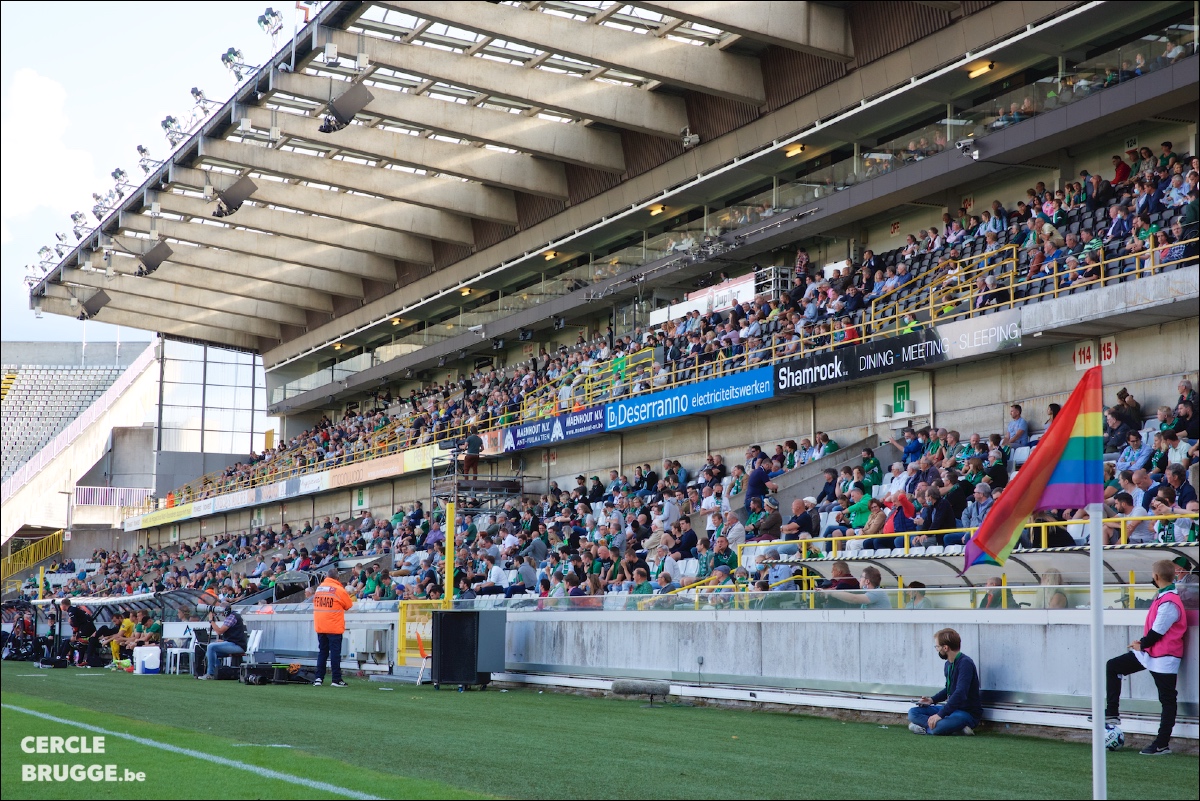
229 626
472 447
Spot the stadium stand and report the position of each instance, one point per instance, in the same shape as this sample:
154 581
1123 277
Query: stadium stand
42 400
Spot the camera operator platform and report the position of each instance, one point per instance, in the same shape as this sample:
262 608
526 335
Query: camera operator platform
454 478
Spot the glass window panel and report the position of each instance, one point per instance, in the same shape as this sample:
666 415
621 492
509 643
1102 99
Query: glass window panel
184 372
260 398
182 394
184 350
242 418
260 376
218 420
220 397
223 374
225 442
180 417
180 440
226 356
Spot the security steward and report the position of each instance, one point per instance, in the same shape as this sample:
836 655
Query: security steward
330 602
83 628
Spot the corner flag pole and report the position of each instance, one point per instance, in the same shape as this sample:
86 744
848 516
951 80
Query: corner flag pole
1095 528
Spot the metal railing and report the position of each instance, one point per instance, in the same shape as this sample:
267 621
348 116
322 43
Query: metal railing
125 497
29 556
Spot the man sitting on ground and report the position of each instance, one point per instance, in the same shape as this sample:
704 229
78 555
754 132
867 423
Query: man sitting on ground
956 708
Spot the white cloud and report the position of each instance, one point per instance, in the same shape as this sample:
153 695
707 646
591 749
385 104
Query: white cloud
40 170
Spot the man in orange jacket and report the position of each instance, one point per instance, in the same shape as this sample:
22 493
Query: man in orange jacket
330 602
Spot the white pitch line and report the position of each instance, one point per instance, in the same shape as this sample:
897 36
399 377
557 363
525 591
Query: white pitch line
266 773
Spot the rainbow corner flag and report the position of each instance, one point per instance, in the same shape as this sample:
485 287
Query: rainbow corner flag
1064 471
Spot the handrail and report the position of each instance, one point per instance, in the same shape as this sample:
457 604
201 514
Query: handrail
37 551
1044 526
723 364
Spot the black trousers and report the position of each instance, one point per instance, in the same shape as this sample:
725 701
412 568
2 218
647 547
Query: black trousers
329 648
1126 665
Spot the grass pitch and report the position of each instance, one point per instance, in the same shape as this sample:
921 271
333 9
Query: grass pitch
409 742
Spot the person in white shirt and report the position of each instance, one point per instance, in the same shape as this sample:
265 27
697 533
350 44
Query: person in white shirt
496 582
734 531
1138 532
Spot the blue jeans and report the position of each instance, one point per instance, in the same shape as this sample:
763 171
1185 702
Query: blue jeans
957 538
219 649
953 724
329 648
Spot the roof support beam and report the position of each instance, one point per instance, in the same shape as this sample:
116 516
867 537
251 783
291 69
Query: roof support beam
220 292
702 69
378 212
56 304
490 167
574 144
293 284
619 106
136 304
337 233
446 194
253 243
822 30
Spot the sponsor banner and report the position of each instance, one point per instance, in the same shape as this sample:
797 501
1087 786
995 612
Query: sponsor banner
162 516
554 429
942 343
201 508
133 523
419 458
721 297
313 482
750 386
386 467
233 500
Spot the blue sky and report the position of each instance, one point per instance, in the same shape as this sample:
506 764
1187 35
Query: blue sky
81 85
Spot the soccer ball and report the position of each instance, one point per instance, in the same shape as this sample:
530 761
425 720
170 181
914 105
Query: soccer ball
1114 738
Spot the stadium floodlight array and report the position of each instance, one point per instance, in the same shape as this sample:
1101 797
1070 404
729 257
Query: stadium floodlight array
145 161
173 130
270 22
232 61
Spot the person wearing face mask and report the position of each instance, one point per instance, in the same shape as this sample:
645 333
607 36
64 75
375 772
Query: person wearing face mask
955 708
1159 650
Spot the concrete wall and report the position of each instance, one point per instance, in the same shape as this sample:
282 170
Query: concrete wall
129 461
176 468
71 354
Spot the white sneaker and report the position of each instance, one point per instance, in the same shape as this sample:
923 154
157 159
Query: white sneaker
317 682
968 731
915 729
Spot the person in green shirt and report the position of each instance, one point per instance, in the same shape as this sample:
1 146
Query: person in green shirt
855 516
385 589
641 585
828 445
704 559
723 555
871 467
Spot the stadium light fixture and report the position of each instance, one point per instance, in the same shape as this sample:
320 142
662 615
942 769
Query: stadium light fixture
343 108
981 70
550 255
231 59
270 22
79 221
173 130
794 150
145 161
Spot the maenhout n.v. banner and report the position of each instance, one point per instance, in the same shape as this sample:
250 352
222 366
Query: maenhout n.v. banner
750 386
942 343
554 429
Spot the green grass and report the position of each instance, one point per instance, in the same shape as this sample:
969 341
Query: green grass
415 742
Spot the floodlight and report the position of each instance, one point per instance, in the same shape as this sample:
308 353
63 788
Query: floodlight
232 61
270 22
198 96
143 152
154 257
232 198
173 130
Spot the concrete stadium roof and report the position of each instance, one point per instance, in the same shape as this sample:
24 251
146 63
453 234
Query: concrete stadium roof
469 109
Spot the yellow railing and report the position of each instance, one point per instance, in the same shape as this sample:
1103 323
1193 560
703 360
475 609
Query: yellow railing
30 555
414 630
937 306
835 542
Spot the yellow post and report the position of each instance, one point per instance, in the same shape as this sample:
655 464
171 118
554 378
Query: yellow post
1132 583
41 582
1003 590
448 587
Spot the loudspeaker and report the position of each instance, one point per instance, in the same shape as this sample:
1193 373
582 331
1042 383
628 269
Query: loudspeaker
468 646
348 103
525 335
95 303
